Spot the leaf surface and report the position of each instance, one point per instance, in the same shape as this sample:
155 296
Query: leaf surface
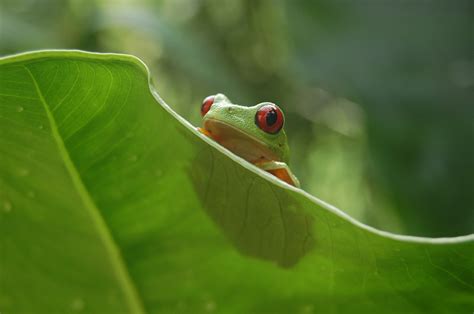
112 203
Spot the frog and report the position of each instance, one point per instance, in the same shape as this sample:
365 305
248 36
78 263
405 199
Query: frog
254 133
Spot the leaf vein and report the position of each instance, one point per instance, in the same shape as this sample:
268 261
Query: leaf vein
117 260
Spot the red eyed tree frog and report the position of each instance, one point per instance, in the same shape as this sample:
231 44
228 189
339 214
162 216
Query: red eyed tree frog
253 133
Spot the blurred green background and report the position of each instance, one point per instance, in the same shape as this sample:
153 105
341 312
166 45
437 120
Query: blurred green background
378 95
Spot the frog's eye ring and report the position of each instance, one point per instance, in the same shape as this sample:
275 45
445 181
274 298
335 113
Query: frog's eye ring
206 104
269 118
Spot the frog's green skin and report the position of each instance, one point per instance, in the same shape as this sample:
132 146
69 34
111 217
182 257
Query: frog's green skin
234 127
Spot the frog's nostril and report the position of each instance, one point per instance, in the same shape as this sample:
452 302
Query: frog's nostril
229 110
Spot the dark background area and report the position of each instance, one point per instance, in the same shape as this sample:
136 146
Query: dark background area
378 95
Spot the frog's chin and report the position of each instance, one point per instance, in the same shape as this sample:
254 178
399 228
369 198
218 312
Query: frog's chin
239 142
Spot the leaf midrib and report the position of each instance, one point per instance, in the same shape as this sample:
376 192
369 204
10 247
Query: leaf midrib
133 299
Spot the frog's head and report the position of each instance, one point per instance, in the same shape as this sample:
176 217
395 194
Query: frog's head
254 133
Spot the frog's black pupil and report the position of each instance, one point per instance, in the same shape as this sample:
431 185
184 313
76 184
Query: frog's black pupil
271 117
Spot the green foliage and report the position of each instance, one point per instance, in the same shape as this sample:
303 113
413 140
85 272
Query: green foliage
112 203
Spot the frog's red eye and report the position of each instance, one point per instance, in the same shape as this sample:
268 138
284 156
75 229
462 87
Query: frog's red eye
269 118
206 105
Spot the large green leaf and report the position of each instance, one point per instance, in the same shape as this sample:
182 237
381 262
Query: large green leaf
111 203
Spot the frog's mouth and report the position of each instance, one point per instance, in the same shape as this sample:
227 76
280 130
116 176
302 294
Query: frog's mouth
239 142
